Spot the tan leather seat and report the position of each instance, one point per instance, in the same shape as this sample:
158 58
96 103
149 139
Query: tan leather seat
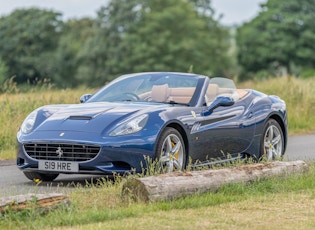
160 93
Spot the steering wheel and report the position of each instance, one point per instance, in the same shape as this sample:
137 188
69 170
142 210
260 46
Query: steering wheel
133 96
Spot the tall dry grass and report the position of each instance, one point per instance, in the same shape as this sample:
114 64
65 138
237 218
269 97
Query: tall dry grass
15 107
299 95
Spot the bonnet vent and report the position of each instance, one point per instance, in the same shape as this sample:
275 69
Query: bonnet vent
80 117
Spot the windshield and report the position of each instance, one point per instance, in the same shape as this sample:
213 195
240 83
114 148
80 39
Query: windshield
150 87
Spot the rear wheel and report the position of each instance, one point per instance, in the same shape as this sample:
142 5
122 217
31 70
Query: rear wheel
41 176
170 151
272 142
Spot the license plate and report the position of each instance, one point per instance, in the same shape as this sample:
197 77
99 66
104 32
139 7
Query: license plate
60 166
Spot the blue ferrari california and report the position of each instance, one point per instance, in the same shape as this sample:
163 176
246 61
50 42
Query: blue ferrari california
171 118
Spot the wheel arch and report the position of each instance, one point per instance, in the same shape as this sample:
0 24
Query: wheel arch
182 132
280 121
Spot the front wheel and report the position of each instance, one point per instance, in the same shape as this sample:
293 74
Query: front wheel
272 142
170 151
41 176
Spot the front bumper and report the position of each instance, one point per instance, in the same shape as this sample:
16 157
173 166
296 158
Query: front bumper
121 155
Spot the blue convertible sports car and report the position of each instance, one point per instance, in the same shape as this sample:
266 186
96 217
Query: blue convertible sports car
173 118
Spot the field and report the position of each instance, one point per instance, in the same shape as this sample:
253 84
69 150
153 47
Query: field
276 203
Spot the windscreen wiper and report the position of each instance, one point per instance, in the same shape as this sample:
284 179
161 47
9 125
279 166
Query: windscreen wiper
176 103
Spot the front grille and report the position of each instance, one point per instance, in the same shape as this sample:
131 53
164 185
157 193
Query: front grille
61 152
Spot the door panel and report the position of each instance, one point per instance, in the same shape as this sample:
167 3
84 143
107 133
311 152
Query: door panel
228 130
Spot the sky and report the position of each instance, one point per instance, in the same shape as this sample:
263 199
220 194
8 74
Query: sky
235 12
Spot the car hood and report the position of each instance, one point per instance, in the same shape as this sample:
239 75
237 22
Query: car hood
91 117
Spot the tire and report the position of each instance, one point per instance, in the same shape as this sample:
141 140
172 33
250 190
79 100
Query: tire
43 177
170 151
272 141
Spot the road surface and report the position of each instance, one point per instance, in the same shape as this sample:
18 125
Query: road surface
13 182
301 148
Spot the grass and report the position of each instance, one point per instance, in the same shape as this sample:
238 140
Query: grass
279 202
267 212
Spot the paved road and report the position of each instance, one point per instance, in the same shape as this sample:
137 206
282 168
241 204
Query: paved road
13 182
301 148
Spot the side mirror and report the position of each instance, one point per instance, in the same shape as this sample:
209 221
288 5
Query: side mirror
218 102
85 97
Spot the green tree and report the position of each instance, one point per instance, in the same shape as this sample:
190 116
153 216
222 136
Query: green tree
175 35
282 36
154 35
28 38
102 54
67 55
3 71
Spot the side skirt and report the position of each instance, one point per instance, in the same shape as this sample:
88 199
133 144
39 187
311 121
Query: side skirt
218 161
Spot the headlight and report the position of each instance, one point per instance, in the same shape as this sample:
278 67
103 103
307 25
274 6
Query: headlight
131 126
29 122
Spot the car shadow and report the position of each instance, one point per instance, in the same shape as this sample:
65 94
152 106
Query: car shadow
71 182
